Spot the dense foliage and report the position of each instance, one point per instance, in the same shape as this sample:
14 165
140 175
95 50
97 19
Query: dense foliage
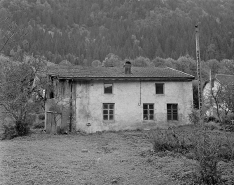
82 31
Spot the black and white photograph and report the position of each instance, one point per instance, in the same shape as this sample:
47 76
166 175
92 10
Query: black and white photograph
116 92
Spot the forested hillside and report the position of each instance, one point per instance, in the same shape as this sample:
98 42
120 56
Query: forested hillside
82 31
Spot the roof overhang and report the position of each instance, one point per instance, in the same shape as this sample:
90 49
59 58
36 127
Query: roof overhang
170 79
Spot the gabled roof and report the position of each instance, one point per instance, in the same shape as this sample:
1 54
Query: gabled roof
137 73
225 79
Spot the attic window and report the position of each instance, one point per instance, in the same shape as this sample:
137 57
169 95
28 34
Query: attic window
108 88
159 88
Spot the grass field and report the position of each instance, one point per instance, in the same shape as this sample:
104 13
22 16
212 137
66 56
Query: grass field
101 159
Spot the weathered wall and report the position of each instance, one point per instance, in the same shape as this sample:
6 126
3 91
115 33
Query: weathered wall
128 106
61 103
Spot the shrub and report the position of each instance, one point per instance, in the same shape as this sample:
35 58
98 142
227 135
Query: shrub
9 131
209 149
206 147
229 128
194 116
163 140
39 125
227 123
227 150
22 128
212 126
159 142
42 117
211 118
206 150
30 119
14 129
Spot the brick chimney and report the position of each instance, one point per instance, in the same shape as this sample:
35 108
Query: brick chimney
127 67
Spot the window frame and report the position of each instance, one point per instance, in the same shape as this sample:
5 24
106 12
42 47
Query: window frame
163 88
108 114
172 112
148 109
111 87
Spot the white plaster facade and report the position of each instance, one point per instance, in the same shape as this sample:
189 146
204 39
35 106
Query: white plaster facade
128 99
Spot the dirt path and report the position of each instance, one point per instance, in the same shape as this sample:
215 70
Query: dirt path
101 159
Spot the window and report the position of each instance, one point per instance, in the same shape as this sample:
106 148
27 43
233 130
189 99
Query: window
172 111
159 88
108 88
148 111
108 111
51 95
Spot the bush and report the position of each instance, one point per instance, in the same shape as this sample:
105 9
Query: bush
227 123
22 128
169 140
206 147
194 117
9 131
229 128
39 125
211 118
212 126
228 149
13 129
30 119
207 150
41 117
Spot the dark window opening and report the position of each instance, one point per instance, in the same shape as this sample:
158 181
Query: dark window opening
108 88
51 95
108 111
172 111
159 88
148 111
62 85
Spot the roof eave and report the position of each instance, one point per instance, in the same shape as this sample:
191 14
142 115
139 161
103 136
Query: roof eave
181 79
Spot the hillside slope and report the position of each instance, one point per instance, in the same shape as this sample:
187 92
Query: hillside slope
91 29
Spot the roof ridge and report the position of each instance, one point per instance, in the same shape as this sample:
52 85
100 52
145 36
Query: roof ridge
224 75
219 78
180 71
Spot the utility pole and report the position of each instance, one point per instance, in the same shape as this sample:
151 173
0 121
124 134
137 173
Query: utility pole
199 72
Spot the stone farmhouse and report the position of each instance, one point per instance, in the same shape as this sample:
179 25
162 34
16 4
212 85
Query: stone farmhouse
92 99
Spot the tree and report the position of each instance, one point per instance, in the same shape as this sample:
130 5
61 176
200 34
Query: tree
222 96
112 60
16 91
214 66
142 62
10 33
96 63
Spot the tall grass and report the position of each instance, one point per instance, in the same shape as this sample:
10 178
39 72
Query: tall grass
207 148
